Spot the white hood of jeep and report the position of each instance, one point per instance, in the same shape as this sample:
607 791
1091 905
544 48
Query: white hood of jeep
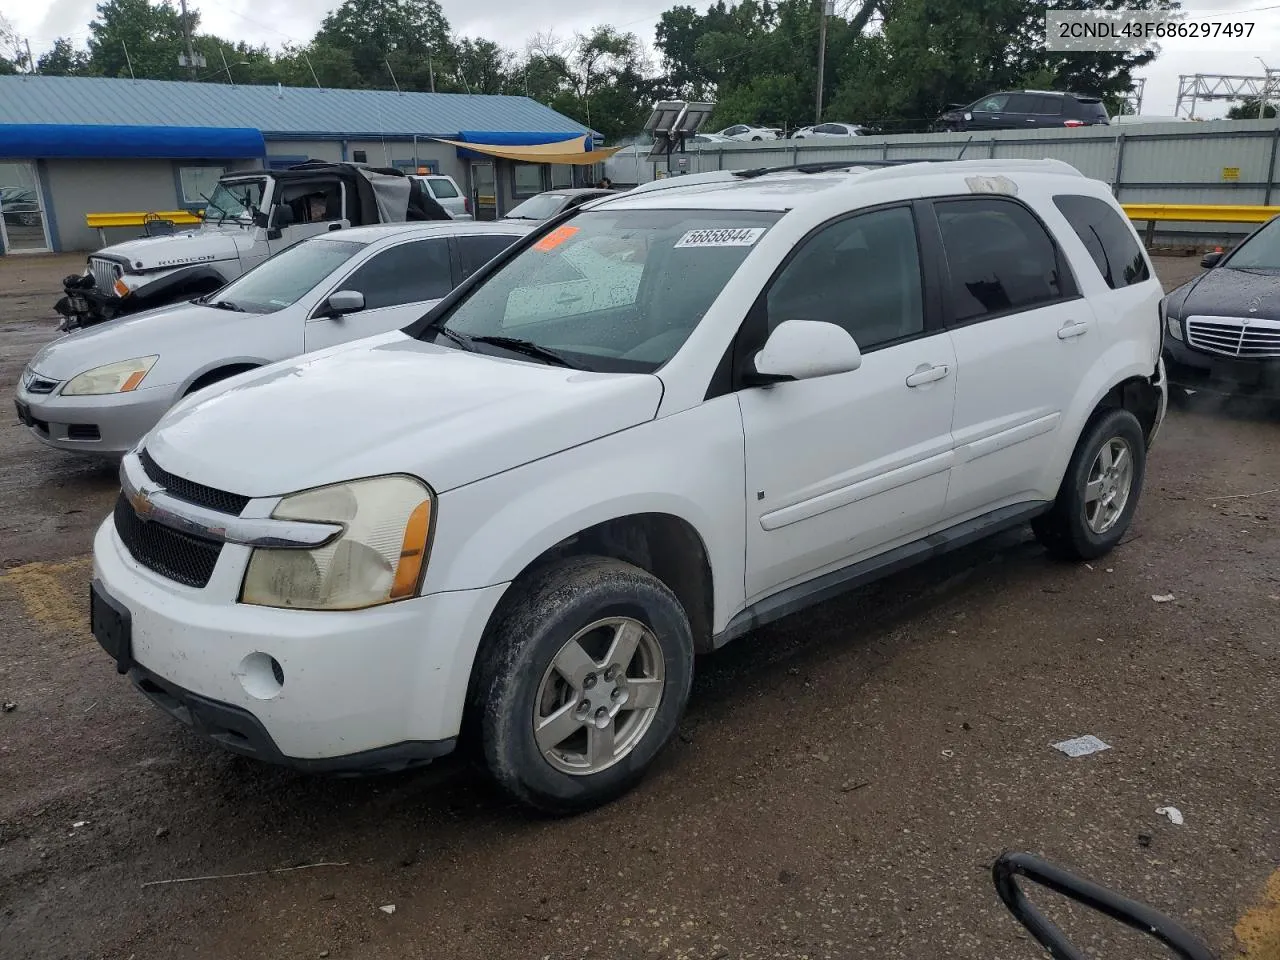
392 404
204 245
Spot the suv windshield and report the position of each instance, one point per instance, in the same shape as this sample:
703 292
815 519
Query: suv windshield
537 208
282 280
616 290
235 200
1259 252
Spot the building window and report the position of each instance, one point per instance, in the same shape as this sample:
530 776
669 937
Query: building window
526 179
196 183
561 175
359 156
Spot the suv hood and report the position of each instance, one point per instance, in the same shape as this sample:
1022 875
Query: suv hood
181 249
391 404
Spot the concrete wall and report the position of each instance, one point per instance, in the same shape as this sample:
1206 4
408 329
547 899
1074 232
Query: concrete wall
77 187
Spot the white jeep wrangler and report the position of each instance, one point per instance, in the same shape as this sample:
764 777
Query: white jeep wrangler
520 518
249 216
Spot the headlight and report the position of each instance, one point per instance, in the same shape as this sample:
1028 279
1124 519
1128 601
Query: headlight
1171 323
380 556
112 378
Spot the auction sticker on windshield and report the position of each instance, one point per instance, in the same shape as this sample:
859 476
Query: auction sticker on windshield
724 237
556 237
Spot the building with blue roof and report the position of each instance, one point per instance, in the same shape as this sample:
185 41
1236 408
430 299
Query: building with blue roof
70 146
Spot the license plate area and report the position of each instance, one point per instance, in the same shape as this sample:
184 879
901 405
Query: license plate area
78 304
112 626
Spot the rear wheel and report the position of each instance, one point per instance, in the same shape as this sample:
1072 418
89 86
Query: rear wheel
1100 490
583 681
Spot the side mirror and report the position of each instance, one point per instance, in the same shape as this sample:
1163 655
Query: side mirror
282 215
1211 259
803 350
1009 866
342 302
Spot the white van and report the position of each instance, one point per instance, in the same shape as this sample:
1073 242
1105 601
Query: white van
448 194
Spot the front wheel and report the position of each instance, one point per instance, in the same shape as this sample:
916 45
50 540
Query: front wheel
584 679
1100 490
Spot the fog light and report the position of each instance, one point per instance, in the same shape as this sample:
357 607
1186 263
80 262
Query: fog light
261 676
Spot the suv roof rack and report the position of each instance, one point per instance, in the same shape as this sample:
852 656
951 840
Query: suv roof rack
824 165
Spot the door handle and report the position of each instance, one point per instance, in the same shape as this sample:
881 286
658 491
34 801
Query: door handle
926 374
1073 328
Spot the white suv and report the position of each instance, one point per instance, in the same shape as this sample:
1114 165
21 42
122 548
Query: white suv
654 424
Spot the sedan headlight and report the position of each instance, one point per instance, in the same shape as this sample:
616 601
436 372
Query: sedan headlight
380 556
119 377
1171 323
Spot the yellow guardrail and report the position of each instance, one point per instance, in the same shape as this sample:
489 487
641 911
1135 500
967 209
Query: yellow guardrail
1203 213
101 221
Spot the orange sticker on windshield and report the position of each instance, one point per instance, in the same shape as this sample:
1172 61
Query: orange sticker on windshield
556 237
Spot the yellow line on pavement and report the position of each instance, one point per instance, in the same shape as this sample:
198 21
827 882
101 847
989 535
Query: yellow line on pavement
53 594
1259 929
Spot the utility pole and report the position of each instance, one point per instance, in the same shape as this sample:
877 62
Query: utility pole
186 32
827 8
128 59
225 68
393 74
31 63
431 71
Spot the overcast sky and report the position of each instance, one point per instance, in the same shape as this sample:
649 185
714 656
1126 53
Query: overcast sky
511 22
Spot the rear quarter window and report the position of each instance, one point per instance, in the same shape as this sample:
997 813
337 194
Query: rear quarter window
1091 109
1109 239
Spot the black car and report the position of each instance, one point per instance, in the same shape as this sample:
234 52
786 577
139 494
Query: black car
1222 329
1019 109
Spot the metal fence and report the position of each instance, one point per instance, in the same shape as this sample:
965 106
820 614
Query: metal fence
1210 162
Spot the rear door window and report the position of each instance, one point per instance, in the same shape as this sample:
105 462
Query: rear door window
1047 105
1000 259
1021 103
407 273
475 251
1109 239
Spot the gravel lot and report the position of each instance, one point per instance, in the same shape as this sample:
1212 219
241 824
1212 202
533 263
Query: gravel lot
840 787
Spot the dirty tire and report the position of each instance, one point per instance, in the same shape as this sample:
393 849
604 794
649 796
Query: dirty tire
550 609
1063 531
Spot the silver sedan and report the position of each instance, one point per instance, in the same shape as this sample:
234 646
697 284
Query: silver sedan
100 390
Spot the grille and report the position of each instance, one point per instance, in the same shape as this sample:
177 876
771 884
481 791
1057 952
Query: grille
1232 337
170 553
105 273
192 492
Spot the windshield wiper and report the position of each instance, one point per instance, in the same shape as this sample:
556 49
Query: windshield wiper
223 213
459 339
529 349
225 305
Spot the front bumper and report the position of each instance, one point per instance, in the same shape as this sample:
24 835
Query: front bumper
1220 375
360 690
109 425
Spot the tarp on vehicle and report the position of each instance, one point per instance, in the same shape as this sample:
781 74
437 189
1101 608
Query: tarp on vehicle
382 194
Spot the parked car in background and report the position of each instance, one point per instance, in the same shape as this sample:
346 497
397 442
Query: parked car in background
704 138
743 131
250 215
547 205
1223 328
99 390
830 130
521 517
1023 109
446 192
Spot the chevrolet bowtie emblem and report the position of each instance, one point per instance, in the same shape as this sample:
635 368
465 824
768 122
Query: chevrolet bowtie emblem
141 501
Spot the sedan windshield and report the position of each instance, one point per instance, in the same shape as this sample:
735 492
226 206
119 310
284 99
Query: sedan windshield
236 200
540 207
610 290
284 279
1259 252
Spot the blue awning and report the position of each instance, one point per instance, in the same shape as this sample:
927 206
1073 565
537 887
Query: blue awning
44 140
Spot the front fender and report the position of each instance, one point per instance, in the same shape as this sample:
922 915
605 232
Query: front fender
690 465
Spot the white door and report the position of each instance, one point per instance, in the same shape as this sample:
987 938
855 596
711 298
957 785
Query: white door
318 206
399 285
840 466
23 226
1024 341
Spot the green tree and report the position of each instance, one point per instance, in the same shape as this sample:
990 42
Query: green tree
152 34
483 66
606 83
63 60
13 53
1247 109
407 39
